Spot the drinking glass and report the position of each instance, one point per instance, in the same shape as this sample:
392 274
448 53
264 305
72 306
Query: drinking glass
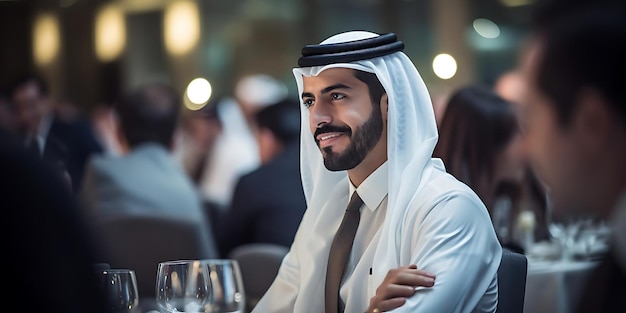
210 286
119 289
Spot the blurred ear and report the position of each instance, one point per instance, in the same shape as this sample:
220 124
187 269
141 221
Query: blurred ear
594 120
384 106
269 145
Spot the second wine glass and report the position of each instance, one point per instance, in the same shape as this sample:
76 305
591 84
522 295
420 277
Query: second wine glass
210 286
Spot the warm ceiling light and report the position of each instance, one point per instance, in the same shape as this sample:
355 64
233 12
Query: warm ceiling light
444 66
198 93
110 36
46 38
181 27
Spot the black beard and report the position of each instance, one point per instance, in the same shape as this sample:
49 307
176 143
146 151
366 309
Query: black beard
362 141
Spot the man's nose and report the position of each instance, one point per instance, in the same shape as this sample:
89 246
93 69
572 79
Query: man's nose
320 113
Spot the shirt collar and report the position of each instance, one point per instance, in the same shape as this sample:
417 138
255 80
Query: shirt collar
44 126
374 188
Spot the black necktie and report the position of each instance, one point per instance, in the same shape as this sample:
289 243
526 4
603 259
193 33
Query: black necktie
339 252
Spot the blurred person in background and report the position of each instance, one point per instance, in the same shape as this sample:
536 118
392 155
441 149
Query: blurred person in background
65 141
196 137
575 126
194 146
236 151
480 142
510 86
50 252
145 179
103 121
268 203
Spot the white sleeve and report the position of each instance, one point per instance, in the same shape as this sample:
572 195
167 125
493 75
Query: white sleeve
455 241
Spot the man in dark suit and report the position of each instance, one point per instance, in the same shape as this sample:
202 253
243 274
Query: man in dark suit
66 143
268 203
575 116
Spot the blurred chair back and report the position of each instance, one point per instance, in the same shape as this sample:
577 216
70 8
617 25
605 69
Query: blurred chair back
259 263
512 282
141 242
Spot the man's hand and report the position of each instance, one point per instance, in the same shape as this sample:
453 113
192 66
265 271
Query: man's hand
399 284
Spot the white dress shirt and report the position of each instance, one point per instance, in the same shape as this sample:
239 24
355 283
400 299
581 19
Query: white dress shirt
448 234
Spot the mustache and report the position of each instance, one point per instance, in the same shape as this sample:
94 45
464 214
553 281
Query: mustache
331 129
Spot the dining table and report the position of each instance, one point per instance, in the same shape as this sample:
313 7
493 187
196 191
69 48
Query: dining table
554 286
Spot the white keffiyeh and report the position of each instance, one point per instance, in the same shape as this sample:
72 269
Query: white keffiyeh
412 136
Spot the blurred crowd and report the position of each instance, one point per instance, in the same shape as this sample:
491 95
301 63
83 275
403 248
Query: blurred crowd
232 167
238 155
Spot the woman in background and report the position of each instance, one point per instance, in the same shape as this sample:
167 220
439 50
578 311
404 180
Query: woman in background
480 143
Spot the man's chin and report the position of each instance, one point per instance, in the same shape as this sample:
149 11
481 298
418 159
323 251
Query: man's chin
337 164
331 164
333 169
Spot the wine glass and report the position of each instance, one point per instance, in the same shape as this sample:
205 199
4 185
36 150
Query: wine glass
119 290
211 285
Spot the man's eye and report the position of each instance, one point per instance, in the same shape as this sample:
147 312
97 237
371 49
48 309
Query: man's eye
337 96
307 103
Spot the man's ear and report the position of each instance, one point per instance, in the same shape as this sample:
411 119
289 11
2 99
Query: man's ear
593 118
384 106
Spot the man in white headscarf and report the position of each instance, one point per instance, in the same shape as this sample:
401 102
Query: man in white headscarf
424 242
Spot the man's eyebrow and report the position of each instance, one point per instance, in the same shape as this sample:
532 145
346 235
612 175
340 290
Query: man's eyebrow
327 90
333 87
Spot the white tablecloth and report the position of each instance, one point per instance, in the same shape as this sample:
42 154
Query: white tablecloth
555 286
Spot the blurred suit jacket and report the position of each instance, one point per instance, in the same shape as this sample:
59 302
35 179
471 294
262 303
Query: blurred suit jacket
69 145
267 205
605 291
147 181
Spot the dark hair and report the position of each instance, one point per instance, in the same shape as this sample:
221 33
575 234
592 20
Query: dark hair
584 49
210 111
149 114
25 79
373 84
546 13
476 126
207 112
282 119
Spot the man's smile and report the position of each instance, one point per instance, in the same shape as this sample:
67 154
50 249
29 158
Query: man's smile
327 139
